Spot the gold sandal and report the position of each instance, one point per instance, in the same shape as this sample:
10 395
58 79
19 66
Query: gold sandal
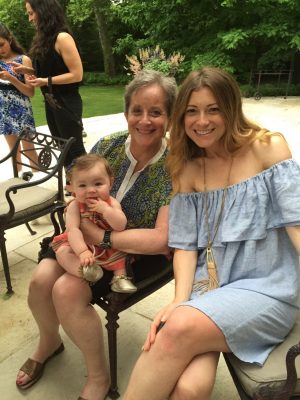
35 369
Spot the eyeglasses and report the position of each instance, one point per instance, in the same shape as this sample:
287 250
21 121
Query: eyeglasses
153 114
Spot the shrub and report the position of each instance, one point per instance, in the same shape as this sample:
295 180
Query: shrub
155 59
100 78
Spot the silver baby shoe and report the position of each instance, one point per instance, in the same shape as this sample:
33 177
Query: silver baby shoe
122 284
92 273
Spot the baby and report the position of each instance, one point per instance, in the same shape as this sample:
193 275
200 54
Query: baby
90 180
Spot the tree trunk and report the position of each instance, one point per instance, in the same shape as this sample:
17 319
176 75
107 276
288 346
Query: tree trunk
100 7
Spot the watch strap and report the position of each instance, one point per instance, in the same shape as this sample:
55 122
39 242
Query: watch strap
106 243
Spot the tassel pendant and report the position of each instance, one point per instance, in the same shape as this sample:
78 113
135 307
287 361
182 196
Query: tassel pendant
213 281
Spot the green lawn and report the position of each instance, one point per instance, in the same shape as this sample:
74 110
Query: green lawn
97 100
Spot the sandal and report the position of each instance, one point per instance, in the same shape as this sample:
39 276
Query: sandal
35 369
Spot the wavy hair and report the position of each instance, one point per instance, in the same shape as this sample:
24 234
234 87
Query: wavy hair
51 21
6 34
239 132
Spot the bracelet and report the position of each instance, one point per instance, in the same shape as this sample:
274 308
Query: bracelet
50 82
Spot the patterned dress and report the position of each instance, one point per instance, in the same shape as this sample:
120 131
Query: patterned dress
15 108
258 267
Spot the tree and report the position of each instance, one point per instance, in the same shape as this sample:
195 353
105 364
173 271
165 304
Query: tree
101 8
81 11
12 14
235 34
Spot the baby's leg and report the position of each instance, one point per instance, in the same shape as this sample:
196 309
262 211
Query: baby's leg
121 271
68 260
121 283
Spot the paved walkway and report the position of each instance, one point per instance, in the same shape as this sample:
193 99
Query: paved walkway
65 375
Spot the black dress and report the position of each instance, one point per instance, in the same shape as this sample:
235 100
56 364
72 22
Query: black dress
64 114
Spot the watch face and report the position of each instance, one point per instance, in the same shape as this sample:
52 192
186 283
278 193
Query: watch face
105 245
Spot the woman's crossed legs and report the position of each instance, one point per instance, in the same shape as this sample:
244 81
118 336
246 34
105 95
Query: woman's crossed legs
182 362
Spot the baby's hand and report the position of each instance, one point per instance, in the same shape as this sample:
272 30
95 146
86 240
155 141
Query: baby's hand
86 258
97 205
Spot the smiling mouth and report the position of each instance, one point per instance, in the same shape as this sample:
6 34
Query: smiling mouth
145 132
203 132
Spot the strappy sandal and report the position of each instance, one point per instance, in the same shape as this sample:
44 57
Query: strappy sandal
35 369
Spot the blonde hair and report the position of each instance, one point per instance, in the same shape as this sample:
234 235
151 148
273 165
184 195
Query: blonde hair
86 162
239 132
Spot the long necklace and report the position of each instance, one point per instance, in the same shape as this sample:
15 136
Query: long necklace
212 282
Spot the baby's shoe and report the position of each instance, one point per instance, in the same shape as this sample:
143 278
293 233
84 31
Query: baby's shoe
122 284
92 273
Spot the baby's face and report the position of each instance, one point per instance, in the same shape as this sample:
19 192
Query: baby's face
93 183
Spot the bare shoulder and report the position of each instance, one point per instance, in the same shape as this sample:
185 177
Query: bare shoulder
27 61
64 40
72 206
62 36
189 175
272 150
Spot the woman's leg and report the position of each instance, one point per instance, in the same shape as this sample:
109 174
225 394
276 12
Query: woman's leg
43 311
198 379
11 141
66 122
84 327
186 334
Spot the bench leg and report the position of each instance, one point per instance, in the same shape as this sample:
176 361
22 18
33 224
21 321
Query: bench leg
31 231
5 264
112 327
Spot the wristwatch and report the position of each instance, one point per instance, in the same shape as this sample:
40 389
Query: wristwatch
106 243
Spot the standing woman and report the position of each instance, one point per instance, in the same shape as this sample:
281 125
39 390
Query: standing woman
15 107
57 71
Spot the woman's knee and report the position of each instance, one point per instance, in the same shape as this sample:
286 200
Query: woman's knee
43 279
180 326
186 390
198 379
69 291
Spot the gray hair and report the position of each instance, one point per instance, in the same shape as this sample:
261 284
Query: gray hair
148 77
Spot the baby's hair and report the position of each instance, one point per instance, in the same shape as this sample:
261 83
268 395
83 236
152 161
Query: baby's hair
86 162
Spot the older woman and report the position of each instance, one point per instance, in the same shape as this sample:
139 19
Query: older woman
143 187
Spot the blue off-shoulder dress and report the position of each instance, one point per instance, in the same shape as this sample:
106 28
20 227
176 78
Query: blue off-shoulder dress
258 299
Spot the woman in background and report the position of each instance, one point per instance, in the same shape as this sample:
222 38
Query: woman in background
15 106
57 71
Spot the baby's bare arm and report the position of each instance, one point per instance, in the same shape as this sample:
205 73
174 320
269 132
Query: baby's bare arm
75 236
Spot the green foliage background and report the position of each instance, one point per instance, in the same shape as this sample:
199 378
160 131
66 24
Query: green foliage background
238 35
